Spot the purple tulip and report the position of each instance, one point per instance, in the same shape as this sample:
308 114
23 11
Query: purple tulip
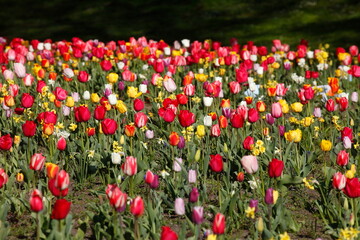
198 215
194 195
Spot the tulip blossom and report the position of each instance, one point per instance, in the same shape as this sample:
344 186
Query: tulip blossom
109 126
179 206
37 162
276 110
137 207
29 128
216 163
186 118
339 181
116 198
61 144
168 234
198 215
219 224
250 164
130 166
342 158
352 187
194 195
3 178
36 202
62 180
61 209
275 168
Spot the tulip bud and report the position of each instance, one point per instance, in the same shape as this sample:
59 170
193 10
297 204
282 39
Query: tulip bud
19 177
260 224
149 134
137 207
36 203
192 176
177 164
194 195
115 158
197 155
198 215
61 144
179 206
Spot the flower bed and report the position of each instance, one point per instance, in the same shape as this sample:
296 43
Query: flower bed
146 140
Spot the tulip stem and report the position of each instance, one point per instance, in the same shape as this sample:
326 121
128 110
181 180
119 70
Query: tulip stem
136 229
38 226
354 206
270 216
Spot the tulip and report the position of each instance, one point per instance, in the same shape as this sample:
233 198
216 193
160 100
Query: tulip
198 215
276 167
215 130
223 122
115 158
207 121
19 178
216 163
325 145
5 142
208 101
20 70
254 204
343 104
297 107
342 158
269 119
169 84
194 195
237 120
48 128
276 110
347 132
137 207
61 209
143 88
179 206
174 139
116 198
271 196
149 134
240 176
248 143
37 162
192 176
36 203
168 234
29 128
226 112
130 166
3 178
293 135
317 112
250 164
82 114
219 224
177 164
83 76
330 105
339 181
186 118
260 106
253 115
352 188
112 99
60 93
129 130
189 90
61 144
138 105
27 100
140 119
62 180
347 143
354 97
9 101
51 170
69 102
234 87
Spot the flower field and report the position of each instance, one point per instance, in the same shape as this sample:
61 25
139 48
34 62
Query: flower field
143 139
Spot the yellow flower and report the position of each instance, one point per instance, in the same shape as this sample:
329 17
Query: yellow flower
133 92
284 106
200 131
112 77
51 97
307 184
307 121
293 135
201 77
275 195
69 101
297 107
72 126
17 140
325 145
196 99
94 97
284 236
250 212
211 237
351 173
348 234
121 107
91 153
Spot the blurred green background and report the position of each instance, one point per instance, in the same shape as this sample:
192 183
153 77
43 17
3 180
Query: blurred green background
324 21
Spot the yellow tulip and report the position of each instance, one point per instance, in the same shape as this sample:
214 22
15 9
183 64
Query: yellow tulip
94 97
293 135
121 107
297 107
133 92
325 145
284 106
70 101
200 131
112 77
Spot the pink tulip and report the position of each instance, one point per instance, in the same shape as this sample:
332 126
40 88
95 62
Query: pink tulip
250 164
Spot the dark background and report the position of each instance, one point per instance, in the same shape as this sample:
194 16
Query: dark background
333 21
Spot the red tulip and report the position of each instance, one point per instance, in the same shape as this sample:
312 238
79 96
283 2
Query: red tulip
5 142
99 112
140 119
182 99
3 177
225 103
29 128
240 176
253 115
159 66
27 100
105 65
37 161
234 87
130 166
61 209
61 144
219 224
62 180
223 122
339 181
36 203
90 131
137 207
109 126
343 104
248 143
330 105
352 188
138 104
347 132
83 76
116 197
48 128
174 139
260 106
47 117
82 114
129 130
237 120
55 191
167 114
216 163
189 90
168 234
60 93
186 118
276 167
342 158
